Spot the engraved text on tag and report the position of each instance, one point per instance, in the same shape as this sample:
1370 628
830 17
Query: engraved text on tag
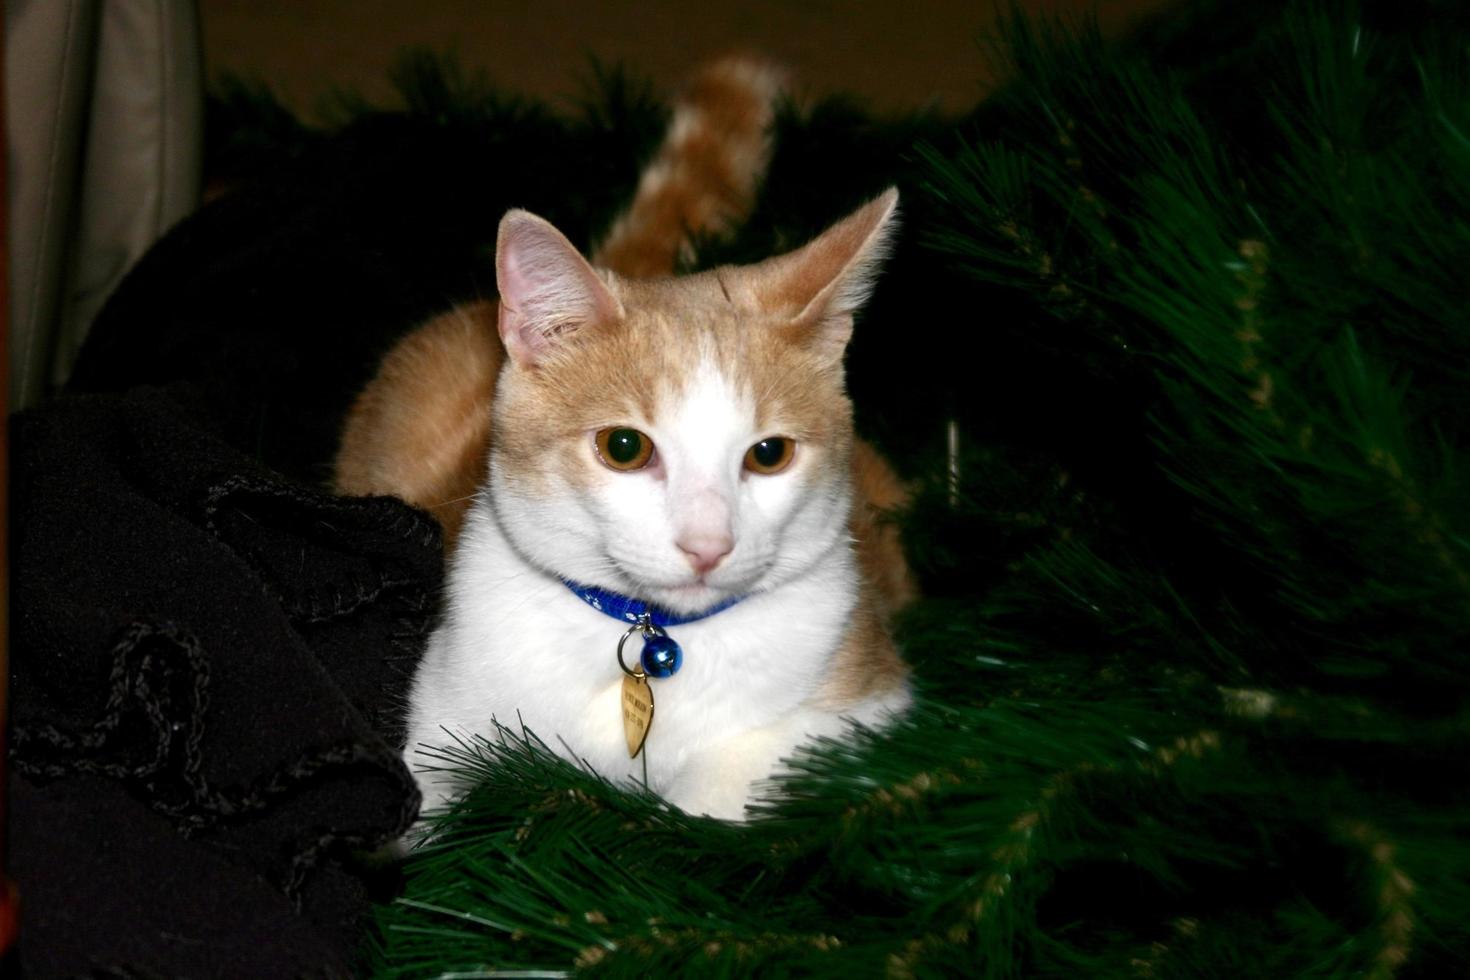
637 712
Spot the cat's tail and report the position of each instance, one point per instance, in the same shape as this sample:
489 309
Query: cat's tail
702 181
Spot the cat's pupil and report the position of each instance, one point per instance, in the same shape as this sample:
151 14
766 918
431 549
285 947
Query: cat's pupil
624 445
769 452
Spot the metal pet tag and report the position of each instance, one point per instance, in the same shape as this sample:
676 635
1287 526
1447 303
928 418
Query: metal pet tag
637 694
637 711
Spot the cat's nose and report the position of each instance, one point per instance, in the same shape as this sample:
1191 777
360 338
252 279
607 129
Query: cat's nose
704 553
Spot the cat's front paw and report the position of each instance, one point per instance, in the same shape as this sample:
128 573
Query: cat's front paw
722 780
721 799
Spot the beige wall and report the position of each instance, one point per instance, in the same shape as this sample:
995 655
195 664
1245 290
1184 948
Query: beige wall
896 55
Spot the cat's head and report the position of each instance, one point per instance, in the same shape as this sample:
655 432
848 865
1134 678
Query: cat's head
680 440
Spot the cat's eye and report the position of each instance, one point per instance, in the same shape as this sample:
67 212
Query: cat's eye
770 455
624 449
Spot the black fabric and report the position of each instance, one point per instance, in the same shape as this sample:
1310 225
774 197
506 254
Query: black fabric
208 661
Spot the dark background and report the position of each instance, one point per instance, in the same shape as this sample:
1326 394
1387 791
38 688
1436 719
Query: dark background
894 55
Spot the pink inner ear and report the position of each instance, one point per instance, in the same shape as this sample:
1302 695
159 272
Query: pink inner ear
547 290
515 284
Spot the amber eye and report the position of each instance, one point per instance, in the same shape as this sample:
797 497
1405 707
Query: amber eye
624 449
770 455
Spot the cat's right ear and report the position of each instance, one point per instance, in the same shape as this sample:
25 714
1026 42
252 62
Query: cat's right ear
547 290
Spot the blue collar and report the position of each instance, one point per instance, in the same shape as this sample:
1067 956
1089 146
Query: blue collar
628 610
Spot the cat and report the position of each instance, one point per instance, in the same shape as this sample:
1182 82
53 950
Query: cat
599 444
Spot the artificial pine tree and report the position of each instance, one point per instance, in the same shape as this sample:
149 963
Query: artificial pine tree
1192 661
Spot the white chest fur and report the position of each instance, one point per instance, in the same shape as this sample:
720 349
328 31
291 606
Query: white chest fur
516 646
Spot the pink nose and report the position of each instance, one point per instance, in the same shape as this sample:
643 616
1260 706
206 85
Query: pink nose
705 553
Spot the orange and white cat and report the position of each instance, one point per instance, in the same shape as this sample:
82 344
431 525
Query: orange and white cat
681 443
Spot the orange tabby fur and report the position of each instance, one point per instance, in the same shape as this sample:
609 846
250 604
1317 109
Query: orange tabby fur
421 429
703 179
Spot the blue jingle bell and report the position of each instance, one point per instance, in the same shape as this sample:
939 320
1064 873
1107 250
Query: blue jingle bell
661 656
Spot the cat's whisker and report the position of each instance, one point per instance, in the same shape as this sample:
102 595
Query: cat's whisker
454 500
514 612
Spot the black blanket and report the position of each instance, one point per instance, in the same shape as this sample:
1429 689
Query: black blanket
206 668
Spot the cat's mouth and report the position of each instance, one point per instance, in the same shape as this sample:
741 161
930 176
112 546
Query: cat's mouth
692 598
697 587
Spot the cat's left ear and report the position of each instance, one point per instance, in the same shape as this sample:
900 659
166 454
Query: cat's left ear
823 283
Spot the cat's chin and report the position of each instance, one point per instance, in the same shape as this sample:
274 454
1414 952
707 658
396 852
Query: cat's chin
689 599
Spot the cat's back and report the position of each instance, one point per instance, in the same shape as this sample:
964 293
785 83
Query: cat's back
421 430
